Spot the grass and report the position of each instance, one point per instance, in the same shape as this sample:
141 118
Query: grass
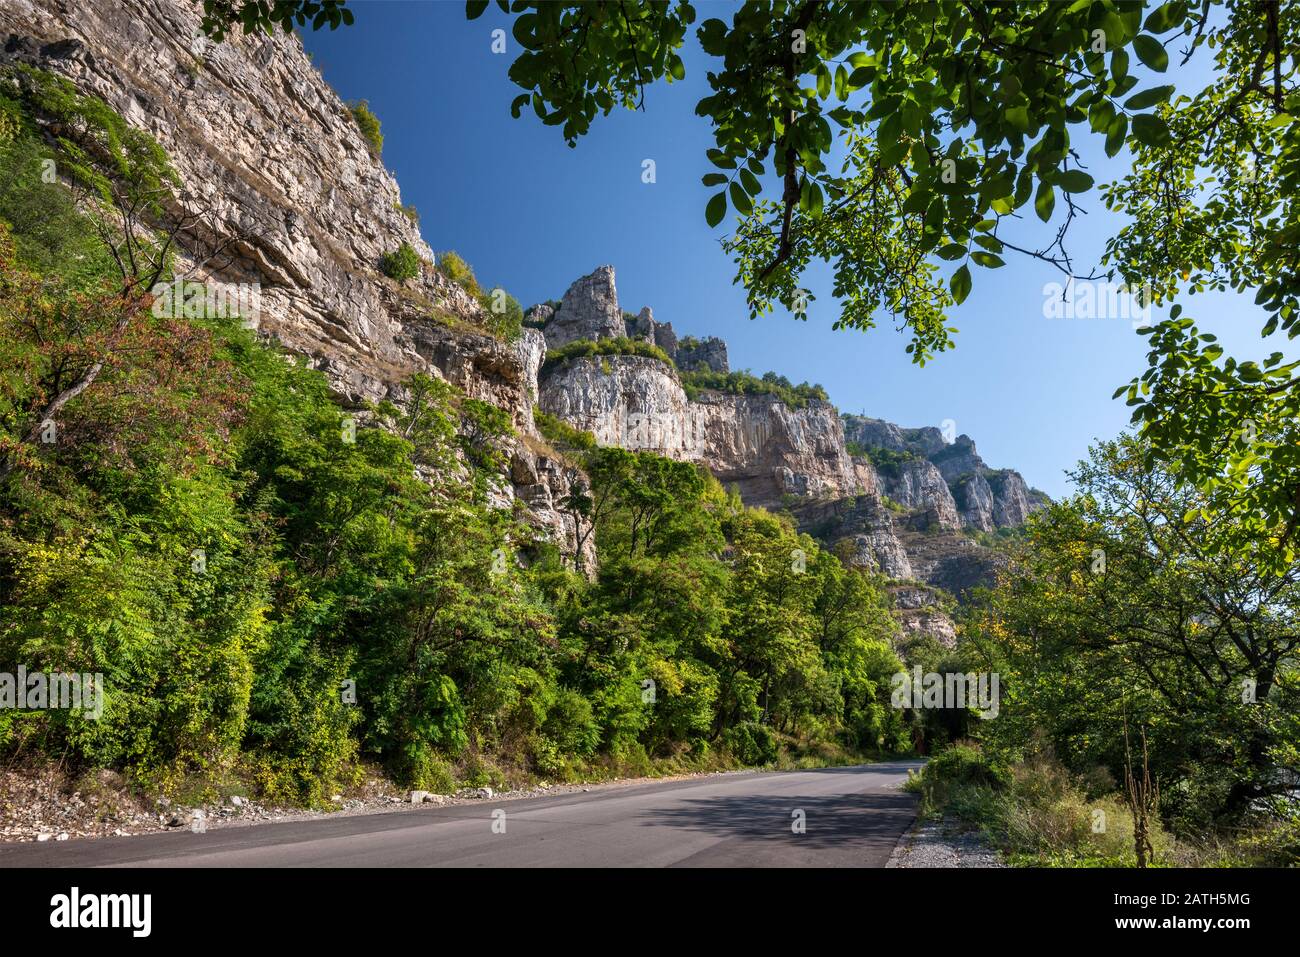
1038 814
1034 812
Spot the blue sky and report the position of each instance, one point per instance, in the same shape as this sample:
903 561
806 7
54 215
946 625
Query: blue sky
531 214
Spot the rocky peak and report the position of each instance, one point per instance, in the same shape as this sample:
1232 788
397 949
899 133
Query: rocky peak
919 461
877 433
589 310
958 459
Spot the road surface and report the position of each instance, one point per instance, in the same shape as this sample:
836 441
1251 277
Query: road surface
852 817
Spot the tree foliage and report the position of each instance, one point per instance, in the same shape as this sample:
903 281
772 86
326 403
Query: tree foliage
1119 609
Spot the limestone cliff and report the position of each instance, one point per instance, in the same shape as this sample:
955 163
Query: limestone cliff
292 199
898 501
292 196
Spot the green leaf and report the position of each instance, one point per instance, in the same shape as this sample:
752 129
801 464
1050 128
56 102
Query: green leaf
814 200
1074 181
959 285
1045 201
1119 65
952 252
1101 115
1166 17
750 182
714 179
716 209
740 199
1157 94
1151 52
987 260
720 159
1018 118
1116 134
474 8
1150 130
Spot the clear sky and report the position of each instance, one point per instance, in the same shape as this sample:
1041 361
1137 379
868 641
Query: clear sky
532 215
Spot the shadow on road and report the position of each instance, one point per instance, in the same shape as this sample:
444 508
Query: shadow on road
833 821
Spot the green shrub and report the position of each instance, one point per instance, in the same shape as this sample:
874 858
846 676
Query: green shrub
1034 810
96 149
887 462
505 317
368 124
751 743
618 346
454 267
401 264
409 211
52 236
563 436
570 724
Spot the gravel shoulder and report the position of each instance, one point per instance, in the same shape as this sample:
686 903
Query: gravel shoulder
943 844
44 806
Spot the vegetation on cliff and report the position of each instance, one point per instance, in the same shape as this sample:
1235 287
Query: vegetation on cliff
275 589
744 382
617 346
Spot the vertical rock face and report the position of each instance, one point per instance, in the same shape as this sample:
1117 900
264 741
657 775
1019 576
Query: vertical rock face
661 334
274 165
710 353
270 157
976 501
918 485
861 528
983 498
631 401
879 434
756 442
1013 499
958 459
589 310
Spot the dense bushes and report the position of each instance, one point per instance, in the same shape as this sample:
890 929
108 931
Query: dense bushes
617 346
887 462
328 566
1035 810
563 436
1127 615
746 383
751 743
505 315
454 267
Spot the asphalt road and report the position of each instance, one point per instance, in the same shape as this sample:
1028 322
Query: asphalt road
852 818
